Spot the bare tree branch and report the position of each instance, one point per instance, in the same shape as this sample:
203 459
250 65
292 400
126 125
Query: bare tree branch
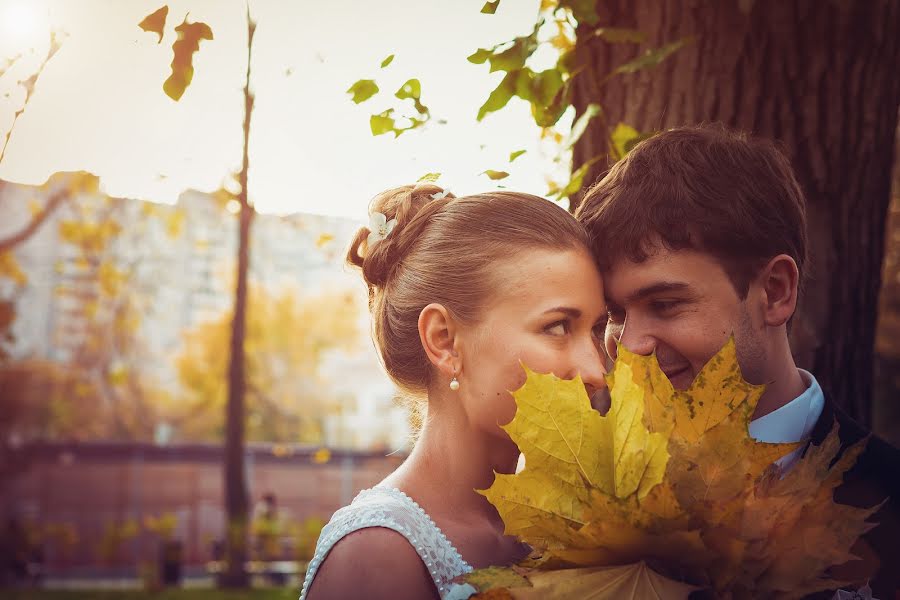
29 84
55 201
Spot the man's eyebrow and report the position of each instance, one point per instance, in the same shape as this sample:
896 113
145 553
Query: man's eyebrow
574 313
657 288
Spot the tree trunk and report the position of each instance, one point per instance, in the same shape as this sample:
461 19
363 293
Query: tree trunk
818 76
236 501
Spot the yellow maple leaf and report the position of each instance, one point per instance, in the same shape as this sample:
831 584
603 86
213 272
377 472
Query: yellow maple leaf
570 449
716 394
619 582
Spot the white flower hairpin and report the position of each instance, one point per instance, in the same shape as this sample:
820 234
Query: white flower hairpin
379 227
440 195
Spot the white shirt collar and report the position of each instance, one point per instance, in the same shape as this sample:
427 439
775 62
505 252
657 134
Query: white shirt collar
792 422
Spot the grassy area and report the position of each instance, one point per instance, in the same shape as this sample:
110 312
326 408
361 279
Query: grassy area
173 594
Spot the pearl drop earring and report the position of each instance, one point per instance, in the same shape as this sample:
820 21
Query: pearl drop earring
454 384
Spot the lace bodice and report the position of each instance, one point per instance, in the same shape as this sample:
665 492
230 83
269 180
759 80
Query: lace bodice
392 509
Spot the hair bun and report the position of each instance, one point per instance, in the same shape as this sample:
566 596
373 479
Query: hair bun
411 206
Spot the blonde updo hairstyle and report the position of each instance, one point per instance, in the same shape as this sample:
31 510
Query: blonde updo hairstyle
446 250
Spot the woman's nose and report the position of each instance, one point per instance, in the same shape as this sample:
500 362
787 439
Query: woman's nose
592 368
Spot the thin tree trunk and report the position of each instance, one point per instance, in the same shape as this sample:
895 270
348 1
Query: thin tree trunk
236 500
821 78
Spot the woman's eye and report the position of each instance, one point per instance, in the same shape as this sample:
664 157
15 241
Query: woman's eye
558 328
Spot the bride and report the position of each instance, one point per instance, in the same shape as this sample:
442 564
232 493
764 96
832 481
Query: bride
463 292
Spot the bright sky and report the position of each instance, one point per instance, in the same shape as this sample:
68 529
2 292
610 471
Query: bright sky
99 105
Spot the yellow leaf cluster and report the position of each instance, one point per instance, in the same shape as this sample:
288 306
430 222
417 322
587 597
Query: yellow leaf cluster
10 269
674 478
90 237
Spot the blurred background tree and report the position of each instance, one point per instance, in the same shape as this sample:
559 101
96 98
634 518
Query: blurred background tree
288 336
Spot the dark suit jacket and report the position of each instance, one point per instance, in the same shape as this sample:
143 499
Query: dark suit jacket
875 476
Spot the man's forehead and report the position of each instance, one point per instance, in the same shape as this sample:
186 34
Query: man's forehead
663 271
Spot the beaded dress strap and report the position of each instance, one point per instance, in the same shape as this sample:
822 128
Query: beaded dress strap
392 509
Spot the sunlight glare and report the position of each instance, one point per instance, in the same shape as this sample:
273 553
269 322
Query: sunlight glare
21 23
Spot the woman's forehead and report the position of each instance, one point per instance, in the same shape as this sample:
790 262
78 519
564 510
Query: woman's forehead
537 280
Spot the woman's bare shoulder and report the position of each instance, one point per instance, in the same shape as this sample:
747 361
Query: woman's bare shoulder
375 562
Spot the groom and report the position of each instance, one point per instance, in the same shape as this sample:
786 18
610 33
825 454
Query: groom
700 233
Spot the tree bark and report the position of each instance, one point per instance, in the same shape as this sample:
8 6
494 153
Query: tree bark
820 77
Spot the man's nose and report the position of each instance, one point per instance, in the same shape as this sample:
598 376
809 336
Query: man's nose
636 338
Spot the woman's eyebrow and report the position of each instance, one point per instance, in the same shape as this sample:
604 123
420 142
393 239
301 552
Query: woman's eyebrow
574 313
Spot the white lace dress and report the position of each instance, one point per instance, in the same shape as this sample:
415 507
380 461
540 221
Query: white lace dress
392 509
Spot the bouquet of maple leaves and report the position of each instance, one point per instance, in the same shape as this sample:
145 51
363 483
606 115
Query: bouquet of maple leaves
666 494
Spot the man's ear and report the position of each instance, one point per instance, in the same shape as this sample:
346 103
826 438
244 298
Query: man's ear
779 281
437 332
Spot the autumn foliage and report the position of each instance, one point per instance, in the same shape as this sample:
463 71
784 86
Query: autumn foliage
670 487
288 395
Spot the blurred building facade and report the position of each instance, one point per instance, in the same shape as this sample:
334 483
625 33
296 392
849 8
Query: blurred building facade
182 260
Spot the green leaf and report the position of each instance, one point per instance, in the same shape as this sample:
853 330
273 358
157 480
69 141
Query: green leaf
387 61
411 89
547 116
362 90
495 175
155 22
568 62
480 56
620 137
577 179
619 35
414 124
489 7
514 155
500 96
584 11
428 178
382 123
545 85
183 49
580 125
514 57
651 58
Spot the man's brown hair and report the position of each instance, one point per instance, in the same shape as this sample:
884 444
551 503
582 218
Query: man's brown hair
704 188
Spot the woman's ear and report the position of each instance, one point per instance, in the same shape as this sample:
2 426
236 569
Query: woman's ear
779 280
437 332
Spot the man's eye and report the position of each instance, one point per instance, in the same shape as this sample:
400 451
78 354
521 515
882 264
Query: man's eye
665 306
557 328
